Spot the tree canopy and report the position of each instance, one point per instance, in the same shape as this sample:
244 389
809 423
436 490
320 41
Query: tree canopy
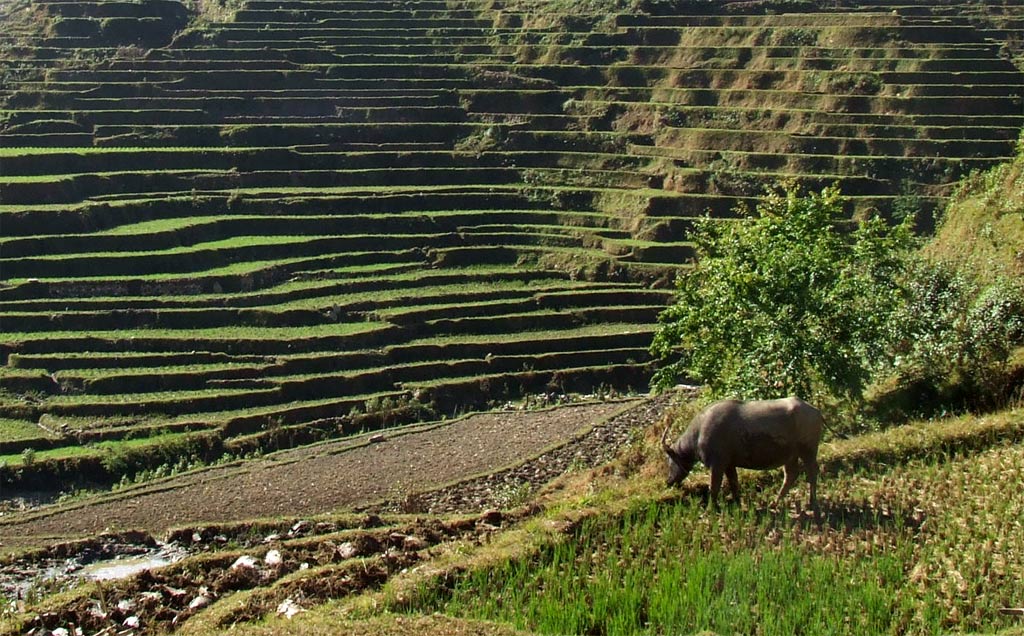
792 299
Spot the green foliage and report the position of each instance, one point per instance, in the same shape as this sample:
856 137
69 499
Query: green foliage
951 329
670 569
784 301
910 533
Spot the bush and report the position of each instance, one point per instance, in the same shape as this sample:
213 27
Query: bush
953 334
784 302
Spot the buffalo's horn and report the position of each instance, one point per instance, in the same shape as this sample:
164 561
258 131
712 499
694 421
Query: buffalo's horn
664 444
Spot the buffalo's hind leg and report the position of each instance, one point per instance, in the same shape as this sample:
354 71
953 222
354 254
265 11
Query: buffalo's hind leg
791 470
734 483
811 466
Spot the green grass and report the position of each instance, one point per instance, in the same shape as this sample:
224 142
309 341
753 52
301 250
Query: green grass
665 569
155 396
983 229
920 541
19 430
28 151
239 332
100 449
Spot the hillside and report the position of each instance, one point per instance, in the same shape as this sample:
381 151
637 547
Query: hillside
224 234
237 239
983 229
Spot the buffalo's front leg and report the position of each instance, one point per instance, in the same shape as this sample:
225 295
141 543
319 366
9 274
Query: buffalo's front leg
791 469
716 484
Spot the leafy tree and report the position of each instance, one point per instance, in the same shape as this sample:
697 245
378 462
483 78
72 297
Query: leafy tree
955 334
792 300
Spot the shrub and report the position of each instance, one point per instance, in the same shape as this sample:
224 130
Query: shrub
953 334
785 301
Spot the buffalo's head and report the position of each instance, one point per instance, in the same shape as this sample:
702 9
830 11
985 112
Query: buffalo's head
679 466
680 462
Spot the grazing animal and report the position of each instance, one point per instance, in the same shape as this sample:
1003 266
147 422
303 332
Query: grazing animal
760 434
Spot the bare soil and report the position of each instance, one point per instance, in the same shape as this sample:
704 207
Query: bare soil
295 559
467 464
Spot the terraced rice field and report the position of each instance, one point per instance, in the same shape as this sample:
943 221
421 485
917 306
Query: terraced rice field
332 215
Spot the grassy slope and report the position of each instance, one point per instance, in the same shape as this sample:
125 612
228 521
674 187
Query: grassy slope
984 227
918 534
916 530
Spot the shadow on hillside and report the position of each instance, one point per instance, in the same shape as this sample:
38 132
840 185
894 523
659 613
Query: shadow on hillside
849 516
837 515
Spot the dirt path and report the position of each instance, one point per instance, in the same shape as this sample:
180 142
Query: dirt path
326 477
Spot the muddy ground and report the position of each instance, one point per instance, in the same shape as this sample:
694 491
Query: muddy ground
389 475
293 559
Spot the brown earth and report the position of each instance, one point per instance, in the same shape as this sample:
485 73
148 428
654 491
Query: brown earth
465 464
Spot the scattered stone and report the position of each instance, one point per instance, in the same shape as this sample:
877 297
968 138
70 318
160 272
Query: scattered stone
371 521
414 544
174 592
270 538
492 517
150 598
273 558
289 608
347 550
202 600
378 438
97 611
300 528
132 621
244 562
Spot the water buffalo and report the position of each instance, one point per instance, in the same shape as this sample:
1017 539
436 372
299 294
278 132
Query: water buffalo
759 434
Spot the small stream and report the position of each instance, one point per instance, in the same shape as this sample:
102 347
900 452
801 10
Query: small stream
107 560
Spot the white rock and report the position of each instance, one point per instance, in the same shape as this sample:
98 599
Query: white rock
244 562
289 608
347 550
60 631
132 621
151 597
414 543
97 610
174 592
125 605
200 602
273 557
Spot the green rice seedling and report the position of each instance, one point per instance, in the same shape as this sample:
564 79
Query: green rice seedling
239 332
13 430
676 569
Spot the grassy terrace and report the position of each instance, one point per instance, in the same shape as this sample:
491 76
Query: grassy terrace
281 217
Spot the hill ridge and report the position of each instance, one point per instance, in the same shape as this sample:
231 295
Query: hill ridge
423 207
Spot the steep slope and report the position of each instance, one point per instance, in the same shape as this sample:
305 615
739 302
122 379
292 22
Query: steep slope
322 216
